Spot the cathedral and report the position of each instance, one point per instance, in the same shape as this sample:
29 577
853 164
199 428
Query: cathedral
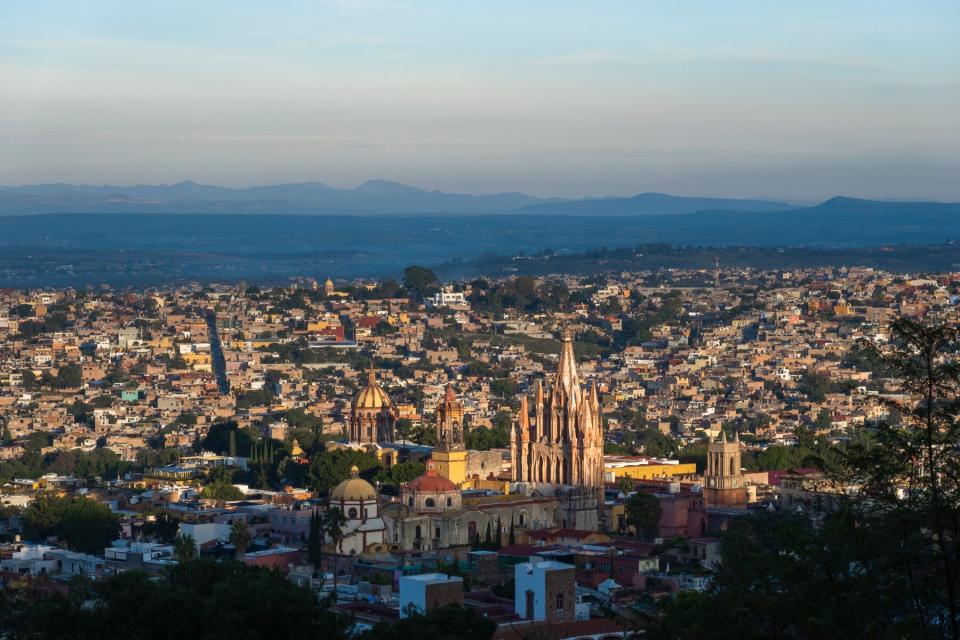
372 416
560 441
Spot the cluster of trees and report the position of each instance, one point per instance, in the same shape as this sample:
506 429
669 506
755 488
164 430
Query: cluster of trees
886 562
82 524
99 463
496 437
493 538
523 294
197 599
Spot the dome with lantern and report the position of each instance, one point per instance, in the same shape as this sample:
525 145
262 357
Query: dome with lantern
431 492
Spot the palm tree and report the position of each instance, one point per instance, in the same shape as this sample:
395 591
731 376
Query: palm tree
184 548
240 537
335 521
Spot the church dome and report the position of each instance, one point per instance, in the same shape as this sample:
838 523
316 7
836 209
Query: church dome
356 488
430 482
372 396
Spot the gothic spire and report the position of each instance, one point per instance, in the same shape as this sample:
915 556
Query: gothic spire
567 377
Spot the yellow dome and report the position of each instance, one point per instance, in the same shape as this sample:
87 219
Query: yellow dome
356 488
372 396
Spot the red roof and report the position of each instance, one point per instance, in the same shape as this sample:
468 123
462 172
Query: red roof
431 482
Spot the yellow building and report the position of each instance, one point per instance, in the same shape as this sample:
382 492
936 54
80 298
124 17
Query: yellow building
640 468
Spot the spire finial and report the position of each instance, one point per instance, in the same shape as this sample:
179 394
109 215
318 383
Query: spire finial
354 471
371 376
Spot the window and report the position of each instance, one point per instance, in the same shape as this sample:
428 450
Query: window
521 518
559 607
352 513
410 501
436 533
449 502
419 533
530 611
430 502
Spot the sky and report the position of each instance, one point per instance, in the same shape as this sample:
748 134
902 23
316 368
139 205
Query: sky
795 100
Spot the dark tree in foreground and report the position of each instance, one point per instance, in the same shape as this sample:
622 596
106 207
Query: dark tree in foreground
201 599
884 563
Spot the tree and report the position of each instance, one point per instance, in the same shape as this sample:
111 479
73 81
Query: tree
643 513
221 490
315 540
335 521
83 524
330 468
419 280
512 538
218 600
910 475
883 562
184 548
240 537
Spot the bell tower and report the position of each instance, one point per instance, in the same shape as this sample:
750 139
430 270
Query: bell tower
450 455
723 484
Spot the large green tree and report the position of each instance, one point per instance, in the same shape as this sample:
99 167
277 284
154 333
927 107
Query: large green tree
643 513
83 524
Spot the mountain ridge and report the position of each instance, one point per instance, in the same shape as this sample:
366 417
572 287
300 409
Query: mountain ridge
376 196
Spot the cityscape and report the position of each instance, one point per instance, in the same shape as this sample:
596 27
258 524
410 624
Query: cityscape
399 319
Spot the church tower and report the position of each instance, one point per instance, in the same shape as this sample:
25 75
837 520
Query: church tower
561 441
450 455
723 484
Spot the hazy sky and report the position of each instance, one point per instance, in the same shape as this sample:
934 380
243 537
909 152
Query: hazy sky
802 99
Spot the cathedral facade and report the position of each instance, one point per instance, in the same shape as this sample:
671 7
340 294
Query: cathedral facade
559 441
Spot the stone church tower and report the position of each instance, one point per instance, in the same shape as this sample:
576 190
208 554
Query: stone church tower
560 442
450 456
723 484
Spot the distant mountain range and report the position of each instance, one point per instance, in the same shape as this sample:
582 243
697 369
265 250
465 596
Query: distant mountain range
371 198
89 248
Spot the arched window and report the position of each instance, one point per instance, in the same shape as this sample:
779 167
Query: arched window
419 533
521 518
430 502
449 502
352 513
471 528
732 472
410 501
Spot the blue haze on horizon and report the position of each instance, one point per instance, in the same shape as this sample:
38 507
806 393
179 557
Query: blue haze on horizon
800 100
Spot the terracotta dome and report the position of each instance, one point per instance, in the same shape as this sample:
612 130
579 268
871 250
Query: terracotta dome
372 396
356 488
431 482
